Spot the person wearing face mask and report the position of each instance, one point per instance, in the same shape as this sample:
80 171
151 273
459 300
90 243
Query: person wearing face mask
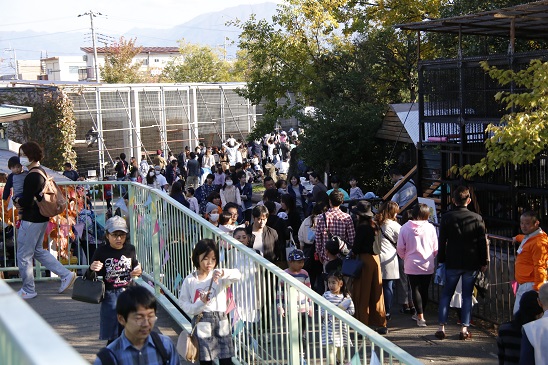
230 194
213 215
33 226
160 181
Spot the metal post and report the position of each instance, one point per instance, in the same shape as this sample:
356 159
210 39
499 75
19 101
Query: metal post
293 326
223 121
194 139
100 140
93 41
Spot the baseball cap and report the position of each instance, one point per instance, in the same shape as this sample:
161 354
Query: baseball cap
116 223
295 255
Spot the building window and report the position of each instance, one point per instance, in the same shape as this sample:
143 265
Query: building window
156 60
73 69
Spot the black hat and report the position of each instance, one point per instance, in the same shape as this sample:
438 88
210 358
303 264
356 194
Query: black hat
363 208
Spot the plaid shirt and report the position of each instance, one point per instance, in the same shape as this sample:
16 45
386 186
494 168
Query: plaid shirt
338 224
127 354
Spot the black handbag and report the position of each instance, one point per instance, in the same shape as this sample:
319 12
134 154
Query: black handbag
352 266
89 290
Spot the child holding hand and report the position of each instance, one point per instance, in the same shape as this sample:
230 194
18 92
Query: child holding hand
203 295
334 332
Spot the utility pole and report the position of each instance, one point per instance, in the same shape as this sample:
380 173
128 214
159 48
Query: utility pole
93 40
15 66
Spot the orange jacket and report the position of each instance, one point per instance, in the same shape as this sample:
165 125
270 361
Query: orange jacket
531 263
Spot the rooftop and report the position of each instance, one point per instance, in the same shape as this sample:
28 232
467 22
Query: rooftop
144 50
530 21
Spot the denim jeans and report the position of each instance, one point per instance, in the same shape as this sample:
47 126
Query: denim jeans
388 292
29 246
109 328
452 277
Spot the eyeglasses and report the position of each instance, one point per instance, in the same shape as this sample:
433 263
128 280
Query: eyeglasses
142 320
118 235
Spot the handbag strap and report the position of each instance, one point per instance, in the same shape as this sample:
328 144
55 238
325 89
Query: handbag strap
388 238
201 314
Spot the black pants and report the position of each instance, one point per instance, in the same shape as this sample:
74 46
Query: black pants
419 289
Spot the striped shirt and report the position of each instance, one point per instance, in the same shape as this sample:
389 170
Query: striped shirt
509 343
334 331
303 302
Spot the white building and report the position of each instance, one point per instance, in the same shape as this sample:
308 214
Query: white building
65 68
152 59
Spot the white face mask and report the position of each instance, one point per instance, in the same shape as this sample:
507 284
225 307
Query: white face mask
151 174
24 161
229 183
214 217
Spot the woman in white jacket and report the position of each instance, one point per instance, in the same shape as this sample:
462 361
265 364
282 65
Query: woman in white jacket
390 229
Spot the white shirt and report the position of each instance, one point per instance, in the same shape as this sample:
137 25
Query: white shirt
160 182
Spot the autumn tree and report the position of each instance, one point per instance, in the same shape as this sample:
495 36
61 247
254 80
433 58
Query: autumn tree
522 135
120 65
200 63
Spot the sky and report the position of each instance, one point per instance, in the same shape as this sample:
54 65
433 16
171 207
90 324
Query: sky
61 21
118 15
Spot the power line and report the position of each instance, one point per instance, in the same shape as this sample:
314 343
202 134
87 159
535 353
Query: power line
43 35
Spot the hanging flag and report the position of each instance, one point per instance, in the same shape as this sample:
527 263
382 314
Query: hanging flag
156 228
374 359
79 228
166 258
178 280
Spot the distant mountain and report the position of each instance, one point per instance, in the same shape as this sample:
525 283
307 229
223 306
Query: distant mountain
206 29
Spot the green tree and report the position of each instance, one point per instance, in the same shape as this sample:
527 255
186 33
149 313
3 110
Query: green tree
120 67
200 63
52 124
522 135
311 50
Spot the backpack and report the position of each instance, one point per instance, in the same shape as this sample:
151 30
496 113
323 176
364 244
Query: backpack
53 201
108 357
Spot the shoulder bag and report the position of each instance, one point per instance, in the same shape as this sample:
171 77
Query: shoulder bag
352 266
187 343
89 290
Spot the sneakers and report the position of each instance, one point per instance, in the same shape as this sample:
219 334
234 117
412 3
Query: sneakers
421 322
23 294
67 282
408 310
414 317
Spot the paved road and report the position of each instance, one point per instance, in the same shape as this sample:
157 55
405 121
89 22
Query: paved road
78 324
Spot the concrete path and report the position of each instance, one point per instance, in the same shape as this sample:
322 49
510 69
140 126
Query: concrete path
78 324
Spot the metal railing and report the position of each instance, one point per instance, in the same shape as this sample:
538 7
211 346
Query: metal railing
26 338
497 305
165 233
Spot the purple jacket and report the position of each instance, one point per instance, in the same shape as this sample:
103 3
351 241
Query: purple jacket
418 246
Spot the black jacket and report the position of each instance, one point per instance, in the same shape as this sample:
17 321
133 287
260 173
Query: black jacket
269 242
462 241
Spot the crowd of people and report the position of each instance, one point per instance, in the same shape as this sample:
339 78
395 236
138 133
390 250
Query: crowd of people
399 249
